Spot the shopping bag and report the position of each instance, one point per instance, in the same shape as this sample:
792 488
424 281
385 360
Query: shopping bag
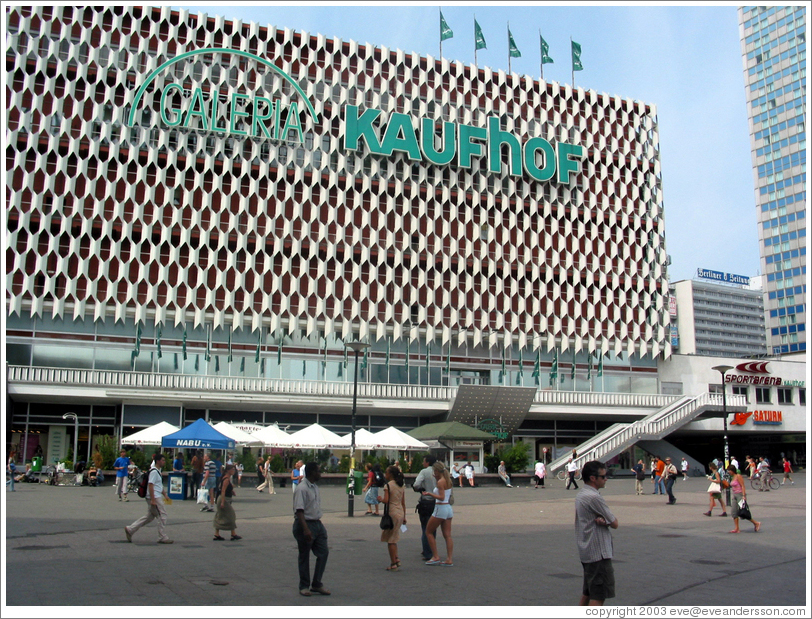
202 496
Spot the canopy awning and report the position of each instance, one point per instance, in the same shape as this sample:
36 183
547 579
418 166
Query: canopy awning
315 437
272 436
364 439
240 437
151 435
199 435
392 438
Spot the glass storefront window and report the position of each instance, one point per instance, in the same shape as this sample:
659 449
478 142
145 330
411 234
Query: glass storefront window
74 356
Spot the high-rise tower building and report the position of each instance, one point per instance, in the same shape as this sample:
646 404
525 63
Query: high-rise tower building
774 56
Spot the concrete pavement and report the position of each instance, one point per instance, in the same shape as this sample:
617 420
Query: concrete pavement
513 547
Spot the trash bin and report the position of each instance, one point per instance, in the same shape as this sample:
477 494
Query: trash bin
36 464
177 486
359 482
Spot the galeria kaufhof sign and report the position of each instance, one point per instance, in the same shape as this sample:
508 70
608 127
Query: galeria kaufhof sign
259 117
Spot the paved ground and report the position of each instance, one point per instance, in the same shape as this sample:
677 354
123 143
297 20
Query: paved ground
513 547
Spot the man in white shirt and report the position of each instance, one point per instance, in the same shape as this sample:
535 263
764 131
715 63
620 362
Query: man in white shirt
155 503
572 469
502 471
309 532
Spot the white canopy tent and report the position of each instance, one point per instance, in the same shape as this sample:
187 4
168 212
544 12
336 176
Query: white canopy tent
392 438
240 437
150 436
272 436
364 439
315 437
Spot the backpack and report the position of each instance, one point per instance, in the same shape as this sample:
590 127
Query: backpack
380 480
143 483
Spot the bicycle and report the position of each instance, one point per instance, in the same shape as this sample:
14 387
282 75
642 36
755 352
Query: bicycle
563 475
772 482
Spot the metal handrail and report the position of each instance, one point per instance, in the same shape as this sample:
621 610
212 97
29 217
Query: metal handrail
251 385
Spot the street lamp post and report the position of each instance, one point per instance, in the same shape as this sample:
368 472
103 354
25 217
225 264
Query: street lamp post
722 369
75 435
357 347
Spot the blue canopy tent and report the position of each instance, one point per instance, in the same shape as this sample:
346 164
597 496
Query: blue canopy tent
199 435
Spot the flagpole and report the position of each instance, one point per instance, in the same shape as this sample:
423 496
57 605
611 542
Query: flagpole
508 30
475 45
441 32
572 63
541 57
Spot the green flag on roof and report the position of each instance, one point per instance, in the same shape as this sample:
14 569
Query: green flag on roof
576 57
445 31
513 51
479 38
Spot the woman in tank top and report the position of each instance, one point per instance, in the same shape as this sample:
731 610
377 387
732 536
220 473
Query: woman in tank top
441 518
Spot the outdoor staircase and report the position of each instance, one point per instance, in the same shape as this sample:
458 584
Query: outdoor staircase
617 437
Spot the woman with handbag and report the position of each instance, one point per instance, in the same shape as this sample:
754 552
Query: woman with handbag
715 490
441 518
394 514
740 508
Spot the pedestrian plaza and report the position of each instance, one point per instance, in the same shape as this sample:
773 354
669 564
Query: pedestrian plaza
65 546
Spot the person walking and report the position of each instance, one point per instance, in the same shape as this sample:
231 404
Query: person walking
11 471
751 467
260 473
240 468
572 470
370 491
225 517
739 496
502 472
670 473
309 532
267 476
425 506
539 473
715 490
787 472
764 474
639 475
155 503
122 468
659 481
441 516
593 519
684 468
197 472
394 497
209 481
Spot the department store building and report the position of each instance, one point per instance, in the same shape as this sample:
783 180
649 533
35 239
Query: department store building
203 213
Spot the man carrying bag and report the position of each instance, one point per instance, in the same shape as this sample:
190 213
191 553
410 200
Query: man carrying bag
425 506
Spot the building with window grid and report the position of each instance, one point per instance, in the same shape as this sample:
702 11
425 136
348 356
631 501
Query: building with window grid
202 212
773 40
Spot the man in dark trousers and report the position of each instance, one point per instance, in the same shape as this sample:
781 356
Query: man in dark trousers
309 532
425 482
593 538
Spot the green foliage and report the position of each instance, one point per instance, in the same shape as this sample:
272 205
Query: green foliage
344 464
139 458
248 461
417 462
107 445
516 458
277 464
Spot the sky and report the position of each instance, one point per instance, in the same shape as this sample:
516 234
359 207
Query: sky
685 59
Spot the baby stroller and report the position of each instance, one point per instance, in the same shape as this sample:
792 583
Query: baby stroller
132 481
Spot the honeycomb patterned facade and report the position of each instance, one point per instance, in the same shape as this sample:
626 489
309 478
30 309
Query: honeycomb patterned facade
181 225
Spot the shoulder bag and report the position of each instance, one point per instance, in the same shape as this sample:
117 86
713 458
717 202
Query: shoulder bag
386 519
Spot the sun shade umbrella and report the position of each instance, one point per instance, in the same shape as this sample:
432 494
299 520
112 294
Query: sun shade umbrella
364 439
272 436
240 437
151 435
392 438
315 437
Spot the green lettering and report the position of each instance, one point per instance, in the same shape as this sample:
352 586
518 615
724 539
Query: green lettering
236 113
259 117
531 147
293 122
400 136
358 127
496 138
277 112
176 111
446 155
196 108
566 165
467 148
